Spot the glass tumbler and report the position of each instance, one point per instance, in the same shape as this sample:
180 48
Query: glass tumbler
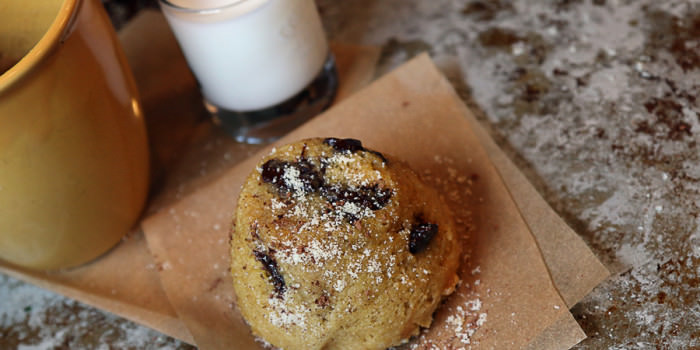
263 66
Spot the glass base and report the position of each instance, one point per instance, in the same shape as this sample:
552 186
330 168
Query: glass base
268 125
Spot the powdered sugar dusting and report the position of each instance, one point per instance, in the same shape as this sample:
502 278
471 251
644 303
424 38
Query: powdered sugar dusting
284 313
339 285
291 176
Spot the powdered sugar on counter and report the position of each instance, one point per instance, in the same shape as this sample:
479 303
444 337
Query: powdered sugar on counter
33 318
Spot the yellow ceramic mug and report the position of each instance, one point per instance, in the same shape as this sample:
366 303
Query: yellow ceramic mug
73 148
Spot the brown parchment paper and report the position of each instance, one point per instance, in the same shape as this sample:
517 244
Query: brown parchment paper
574 268
412 113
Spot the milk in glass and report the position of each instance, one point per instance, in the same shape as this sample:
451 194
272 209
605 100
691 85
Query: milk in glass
249 54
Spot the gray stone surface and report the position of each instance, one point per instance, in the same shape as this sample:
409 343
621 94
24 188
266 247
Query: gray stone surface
35 319
595 100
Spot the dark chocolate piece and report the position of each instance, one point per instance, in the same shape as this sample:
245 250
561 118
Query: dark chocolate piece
351 146
273 172
421 235
309 175
381 156
270 266
344 145
371 197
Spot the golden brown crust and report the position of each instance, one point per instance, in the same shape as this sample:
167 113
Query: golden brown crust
339 247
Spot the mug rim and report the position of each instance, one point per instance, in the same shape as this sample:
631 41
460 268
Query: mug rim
53 36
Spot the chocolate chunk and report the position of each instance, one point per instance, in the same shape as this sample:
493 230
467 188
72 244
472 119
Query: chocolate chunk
270 266
351 146
421 235
273 172
309 174
371 197
381 156
344 145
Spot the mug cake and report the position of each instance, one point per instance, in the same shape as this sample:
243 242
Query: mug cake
336 246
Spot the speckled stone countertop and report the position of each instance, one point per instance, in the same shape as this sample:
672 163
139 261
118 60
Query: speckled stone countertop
595 100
